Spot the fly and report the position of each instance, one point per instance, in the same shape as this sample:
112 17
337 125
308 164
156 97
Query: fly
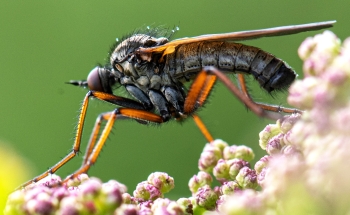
153 71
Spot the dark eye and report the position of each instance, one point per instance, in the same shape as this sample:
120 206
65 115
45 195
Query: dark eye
94 81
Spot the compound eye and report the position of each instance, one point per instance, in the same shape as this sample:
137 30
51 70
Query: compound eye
94 81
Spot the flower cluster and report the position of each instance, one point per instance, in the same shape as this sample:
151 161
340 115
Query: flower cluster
87 196
229 165
305 171
84 195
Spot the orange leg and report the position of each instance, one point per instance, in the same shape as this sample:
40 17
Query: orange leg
199 91
94 135
197 95
202 128
75 149
92 149
203 84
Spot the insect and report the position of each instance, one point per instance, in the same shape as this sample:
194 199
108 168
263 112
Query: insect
153 71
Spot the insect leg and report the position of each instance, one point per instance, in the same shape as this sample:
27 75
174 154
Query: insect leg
77 142
202 128
117 100
76 146
105 116
199 91
242 84
94 135
268 107
92 149
196 96
203 84
120 113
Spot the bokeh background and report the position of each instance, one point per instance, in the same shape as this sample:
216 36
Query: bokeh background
46 43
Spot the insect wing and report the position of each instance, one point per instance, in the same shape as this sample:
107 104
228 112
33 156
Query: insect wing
169 47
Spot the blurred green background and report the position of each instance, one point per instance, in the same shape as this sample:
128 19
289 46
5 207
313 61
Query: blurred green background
46 43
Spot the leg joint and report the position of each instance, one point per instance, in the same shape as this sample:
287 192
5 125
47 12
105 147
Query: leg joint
90 93
116 111
209 69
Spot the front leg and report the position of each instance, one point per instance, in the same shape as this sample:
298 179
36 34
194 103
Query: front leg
136 106
95 149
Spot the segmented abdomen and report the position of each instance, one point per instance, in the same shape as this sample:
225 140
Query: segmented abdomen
187 60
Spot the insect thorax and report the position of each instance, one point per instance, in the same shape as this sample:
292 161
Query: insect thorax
143 74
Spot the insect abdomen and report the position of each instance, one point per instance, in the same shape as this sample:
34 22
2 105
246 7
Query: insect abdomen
271 73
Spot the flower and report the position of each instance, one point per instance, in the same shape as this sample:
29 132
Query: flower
199 180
